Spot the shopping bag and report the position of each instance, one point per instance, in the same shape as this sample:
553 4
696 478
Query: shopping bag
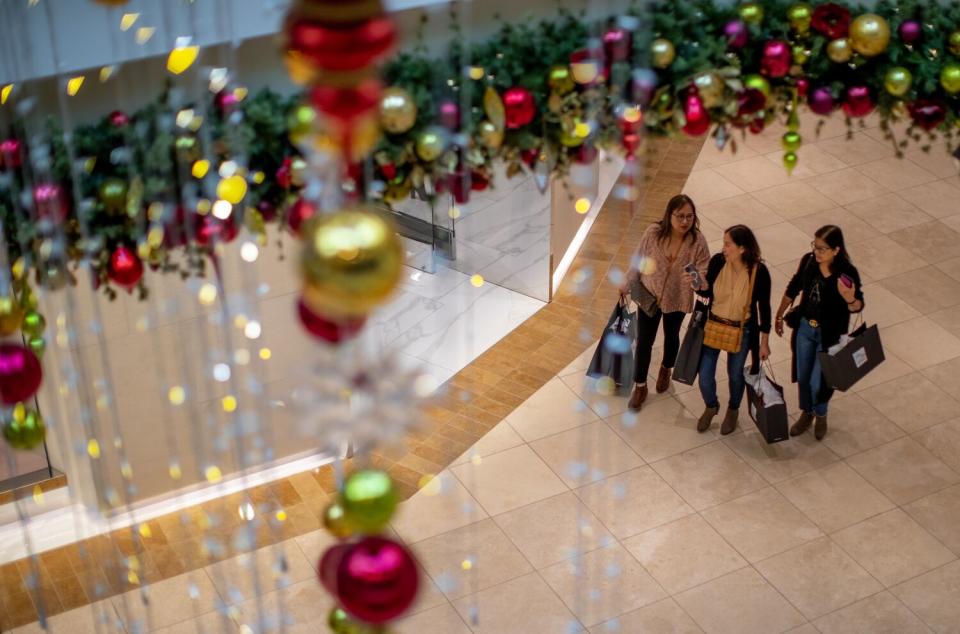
853 358
614 354
766 405
688 359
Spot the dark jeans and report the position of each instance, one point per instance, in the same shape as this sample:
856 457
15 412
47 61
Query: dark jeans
809 376
647 333
735 365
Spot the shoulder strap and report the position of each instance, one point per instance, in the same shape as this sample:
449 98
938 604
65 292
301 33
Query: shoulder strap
753 278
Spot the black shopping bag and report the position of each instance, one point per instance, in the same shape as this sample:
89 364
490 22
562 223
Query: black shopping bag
767 406
614 354
853 361
688 359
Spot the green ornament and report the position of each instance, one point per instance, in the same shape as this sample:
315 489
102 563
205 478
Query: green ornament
790 161
757 82
793 121
800 54
25 429
897 81
33 324
335 520
800 16
751 12
953 43
38 344
791 141
342 623
950 78
113 195
369 500
187 148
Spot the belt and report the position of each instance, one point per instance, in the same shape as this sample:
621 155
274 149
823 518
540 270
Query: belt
813 323
725 322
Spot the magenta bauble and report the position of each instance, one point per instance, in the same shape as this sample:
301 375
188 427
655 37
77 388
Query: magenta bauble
211 230
857 102
328 330
20 373
520 107
268 211
821 100
377 580
927 113
330 563
616 45
125 268
51 202
698 119
298 213
803 85
11 154
910 32
587 153
119 119
450 115
736 33
777 58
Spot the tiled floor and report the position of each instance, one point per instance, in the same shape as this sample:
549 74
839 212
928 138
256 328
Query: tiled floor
577 516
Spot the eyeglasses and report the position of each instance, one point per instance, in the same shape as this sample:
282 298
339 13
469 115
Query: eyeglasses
820 250
684 217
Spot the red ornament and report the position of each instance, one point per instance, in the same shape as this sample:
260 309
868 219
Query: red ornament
211 229
50 200
616 45
11 154
346 105
858 102
125 268
698 119
450 115
631 143
343 47
927 113
330 562
750 101
777 58
20 373
327 329
530 156
377 580
478 181
588 153
803 85
119 119
284 174
757 125
298 213
520 107
389 171
831 20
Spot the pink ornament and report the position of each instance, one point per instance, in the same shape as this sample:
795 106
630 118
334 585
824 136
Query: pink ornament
226 100
20 373
616 45
377 580
51 202
631 143
119 119
299 212
910 32
776 58
332 332
803 85
698 119
520 107
330 561
11 154
858 102
821 101
211 229
450 115
737 33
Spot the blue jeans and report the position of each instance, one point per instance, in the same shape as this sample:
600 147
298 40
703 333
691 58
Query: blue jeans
809 376
735 364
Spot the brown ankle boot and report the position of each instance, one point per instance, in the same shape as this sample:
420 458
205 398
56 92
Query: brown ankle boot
729 423
706 419
638 397
820 427
663 379
802 424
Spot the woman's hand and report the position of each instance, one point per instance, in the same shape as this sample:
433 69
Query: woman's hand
764 349
778 325
624 289
848 293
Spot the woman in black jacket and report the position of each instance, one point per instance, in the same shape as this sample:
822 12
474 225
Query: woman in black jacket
831 292
730 276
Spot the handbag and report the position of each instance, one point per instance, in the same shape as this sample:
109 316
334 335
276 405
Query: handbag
644 299
687 365
766 404
725 336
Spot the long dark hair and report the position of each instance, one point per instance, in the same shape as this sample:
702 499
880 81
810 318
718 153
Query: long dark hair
833 236
678 202
743 237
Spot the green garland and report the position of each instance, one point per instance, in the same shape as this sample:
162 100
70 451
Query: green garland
520 54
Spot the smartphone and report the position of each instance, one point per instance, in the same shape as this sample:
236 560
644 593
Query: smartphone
695 274
846 281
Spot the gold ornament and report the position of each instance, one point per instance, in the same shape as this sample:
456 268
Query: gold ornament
490 136
710 87
953 43
569 136
839 50
560 80
113 195
11 316
899 109
799 16
751 12
232 189
585 72
398 111
300 123
757 82
493 107
397 192
663 52
800 54
299 68
335 520
299 169
869 34
897 81
431 143
352 261
182 58
950 78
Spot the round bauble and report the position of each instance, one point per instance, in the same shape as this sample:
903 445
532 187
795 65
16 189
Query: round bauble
125 268
950 78
11 316
584 67
25 429
803 86
840 51
335 520
697 117
351 262
897 81
616 45
791 141
233 189
449 114
663 52
11 154
519 107
910 32
776 59
342 623
821 100
560 79
751 12
710 86
33 324
377 580
300 211
300 123
831 20
113 195
757 82
398 111
396 193
799 16
928 113
953 43
869 34
368 500
490 136
858 102
737 33
328 330
431 143
50 200
20 373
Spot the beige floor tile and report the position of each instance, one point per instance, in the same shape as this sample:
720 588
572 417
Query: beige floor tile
835 497
706 186
943 441
783 460
822 127
882 613
315 543
933 241
855 425
436 509
662 617
171 601
753 173
520 606
937 161
709 475
553 408
893 547
880 258
273 568
912 402
933 597
781 243
493 557
858 150
903 470
90 619
509 480
599 401
939 513
937 199
804 629
586 454
554 529
712 156
848 186
921 343
794 199
742 601
948 319
855 230
429 595
952 221
633 502
927 289
818 577
500 438
887 213
209 623
891 368
761 524
896 173
684 553
813 161
442 619
662 428
304 606
581 363
884 308
602 584
946 376
743 209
